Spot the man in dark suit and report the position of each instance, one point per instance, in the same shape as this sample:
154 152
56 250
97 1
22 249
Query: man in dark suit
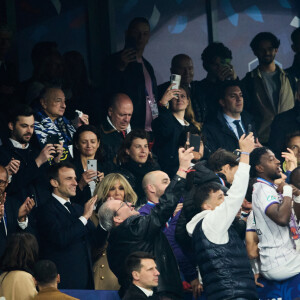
66 231
231 122
13 213
142 270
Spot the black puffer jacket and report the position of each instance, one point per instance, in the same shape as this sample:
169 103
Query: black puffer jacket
144 233
228 278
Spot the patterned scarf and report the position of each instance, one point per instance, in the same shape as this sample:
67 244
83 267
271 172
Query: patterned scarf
43 126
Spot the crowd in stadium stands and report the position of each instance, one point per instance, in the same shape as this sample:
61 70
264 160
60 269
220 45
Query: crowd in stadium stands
154 191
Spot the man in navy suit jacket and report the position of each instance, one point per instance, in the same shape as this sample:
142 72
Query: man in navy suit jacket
66 231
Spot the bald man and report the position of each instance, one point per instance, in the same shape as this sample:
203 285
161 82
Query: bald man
117 124
182 65
154 185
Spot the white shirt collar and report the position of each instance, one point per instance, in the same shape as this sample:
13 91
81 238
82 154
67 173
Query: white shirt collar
18 145
229 119
60 200
128 129
148 293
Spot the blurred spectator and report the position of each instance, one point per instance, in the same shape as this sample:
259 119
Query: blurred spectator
130 73
285 124
267 89
87 146
142 270
135 161
122 221
294 70
51 127
214 238
17 263
169 125
8 71
217 63
231 122
182 65
48 70
47 278
116 126
66 231
274 219
13 213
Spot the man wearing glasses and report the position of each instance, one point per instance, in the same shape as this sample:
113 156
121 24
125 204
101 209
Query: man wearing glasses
13 214
130 232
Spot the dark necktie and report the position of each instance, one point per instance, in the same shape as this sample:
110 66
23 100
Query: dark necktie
70 208
239 128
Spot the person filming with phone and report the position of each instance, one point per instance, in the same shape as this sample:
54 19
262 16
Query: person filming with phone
175 116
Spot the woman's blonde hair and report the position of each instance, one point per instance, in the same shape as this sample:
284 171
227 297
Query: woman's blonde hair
103 188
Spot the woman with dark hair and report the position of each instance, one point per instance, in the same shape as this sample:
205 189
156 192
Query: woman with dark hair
86 145
17 262
175 116
135 161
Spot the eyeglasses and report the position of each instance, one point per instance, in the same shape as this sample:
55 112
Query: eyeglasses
122 204
3 182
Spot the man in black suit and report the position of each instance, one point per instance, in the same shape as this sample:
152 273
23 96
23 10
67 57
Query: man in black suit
13 213
231 122
66 231
141 267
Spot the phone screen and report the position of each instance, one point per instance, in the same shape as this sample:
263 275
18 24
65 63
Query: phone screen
195 141
92 165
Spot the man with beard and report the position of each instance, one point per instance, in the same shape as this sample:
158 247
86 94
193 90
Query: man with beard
26 165
275 221
267 88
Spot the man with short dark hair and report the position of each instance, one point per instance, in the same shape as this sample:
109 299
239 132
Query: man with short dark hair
117 125
274 219
231 122
66 231
268 90
130 73
130 232
25 164
182 65
47 278
214 236
142 269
